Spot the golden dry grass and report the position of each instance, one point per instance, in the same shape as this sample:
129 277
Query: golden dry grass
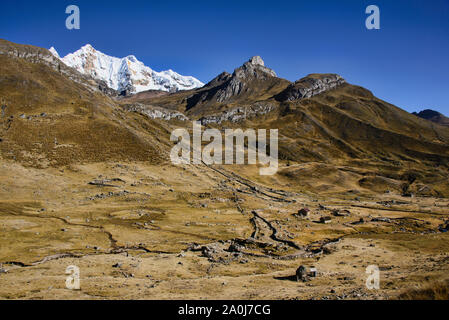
431 291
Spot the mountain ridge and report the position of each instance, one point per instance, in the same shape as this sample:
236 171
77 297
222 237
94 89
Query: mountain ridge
126 75
325 119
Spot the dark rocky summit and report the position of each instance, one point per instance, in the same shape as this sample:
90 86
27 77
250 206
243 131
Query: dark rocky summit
433 116
253 75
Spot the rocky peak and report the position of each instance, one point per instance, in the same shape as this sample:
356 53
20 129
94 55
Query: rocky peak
88 47
257 60
254 68
246 83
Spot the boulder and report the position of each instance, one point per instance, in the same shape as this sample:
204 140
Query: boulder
325 220
303 213
301 274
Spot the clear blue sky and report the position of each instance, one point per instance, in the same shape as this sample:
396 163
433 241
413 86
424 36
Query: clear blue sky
405 63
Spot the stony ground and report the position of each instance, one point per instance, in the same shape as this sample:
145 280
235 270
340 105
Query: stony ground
162 232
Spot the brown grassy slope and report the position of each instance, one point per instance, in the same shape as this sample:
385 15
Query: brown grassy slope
347 122
433 291
357 141
43 56
433 116
350 123
79 123
143 96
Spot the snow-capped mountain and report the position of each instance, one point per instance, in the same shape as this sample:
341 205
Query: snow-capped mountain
126 75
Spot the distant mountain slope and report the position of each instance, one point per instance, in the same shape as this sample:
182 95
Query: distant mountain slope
51 115
320 117
433 116
126 75
43 56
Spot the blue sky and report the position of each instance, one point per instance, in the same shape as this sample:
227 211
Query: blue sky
405 63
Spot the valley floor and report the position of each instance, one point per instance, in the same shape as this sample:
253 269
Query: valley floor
138 231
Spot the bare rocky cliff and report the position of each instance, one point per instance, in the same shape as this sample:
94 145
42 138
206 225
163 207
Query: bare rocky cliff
310 86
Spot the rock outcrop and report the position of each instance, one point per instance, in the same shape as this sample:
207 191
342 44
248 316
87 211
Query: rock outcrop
239 114
155 112
310 86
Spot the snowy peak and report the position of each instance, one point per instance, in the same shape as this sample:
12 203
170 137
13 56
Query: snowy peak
127 75
54 52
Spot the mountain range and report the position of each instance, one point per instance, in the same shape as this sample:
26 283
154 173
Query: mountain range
321 118
87 180
125 75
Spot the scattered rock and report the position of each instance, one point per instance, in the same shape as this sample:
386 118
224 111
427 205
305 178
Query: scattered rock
106 182
2 270
108 195
444 227
303 213
4 110
407 195
325 220
361 221
340 213
235 247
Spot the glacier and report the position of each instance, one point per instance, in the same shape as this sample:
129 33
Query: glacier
126 75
